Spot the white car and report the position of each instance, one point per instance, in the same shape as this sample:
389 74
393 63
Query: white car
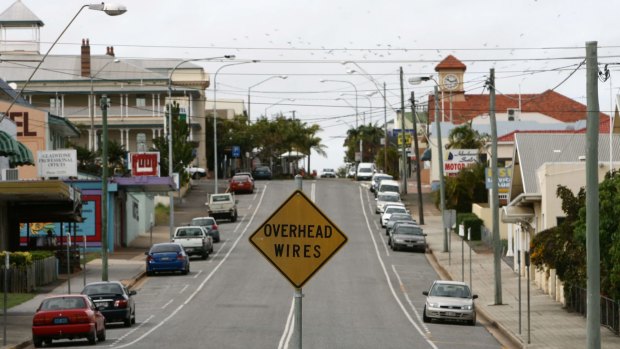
388 210
387 199
196 172
328 173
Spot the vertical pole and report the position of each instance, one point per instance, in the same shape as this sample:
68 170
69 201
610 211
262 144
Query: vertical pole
298 293
593 325
442 187
519 284
104 188
69 262
471 281
463 257
497 243
84 261
402 125
170 167
249 106
527 269
6 291
385 130
417 160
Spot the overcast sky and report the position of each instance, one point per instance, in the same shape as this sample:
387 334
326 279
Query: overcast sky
534 45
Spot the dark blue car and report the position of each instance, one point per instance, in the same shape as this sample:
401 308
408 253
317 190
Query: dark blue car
166 257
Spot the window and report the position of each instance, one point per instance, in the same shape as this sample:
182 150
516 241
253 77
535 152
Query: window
54 103
140 101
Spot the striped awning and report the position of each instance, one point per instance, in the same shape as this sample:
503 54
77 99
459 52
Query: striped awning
23 156
8 145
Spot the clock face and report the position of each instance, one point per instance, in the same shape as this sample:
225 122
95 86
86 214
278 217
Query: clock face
450 82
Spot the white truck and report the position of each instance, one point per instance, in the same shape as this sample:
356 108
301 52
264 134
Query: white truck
194 239
222 205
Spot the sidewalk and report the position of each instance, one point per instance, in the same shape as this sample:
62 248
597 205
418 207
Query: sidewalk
125 264
551 326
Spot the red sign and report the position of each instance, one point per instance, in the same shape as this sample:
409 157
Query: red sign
144 164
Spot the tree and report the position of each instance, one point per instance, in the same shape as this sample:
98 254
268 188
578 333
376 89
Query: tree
465 137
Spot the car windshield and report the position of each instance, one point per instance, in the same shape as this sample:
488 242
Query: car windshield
189 232
390 188
408 230
262 169
202 221
365 169
450 290
394 209
242 178
102 288
219 198
389 198
63 303
400 217
162 248
380 178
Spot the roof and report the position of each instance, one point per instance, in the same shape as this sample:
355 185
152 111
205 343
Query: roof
510 137
535 149
18 15
550 103
450 62
145 183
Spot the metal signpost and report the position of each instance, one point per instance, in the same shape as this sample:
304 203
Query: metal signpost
68 263
298 239
6 291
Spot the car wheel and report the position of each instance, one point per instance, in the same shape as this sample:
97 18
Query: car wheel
204 255
37 341
101 335
127 322
186 270
472 322
149 273
195 176
234 217
92 337
425 318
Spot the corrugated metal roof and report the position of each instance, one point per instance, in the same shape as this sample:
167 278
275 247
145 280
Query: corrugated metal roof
533 150
18 14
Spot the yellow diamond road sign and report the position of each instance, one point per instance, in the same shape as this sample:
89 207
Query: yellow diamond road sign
298 239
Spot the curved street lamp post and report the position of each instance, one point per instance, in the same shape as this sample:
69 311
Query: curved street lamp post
283 77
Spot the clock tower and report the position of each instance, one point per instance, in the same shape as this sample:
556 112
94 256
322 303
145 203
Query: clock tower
451 72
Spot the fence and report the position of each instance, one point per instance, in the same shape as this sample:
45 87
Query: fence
576 300
27 278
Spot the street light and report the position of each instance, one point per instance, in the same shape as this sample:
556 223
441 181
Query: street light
283 77
93 138
170 167
356 109
109 9
215 165
278 102
367 96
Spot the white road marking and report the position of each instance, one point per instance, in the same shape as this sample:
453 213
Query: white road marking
184 288
198 273
387 277
415 310
202 284
288 328
167 304
385 245
132 331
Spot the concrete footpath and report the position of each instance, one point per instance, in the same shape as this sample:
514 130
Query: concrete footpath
550 325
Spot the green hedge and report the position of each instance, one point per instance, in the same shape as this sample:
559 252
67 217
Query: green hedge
18 259
470 220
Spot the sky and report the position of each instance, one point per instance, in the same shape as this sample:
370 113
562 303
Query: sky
533 45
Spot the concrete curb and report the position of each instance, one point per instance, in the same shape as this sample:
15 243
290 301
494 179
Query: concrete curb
514 340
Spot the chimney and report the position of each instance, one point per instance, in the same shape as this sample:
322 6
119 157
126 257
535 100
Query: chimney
109 51
85 58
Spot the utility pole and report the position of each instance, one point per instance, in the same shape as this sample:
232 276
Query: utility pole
104 188
293 111
497 244
593 320
417 160
385 145
442 185
402 125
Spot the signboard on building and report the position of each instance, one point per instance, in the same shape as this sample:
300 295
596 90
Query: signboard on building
57 163
236 151
457 159
144 164
504 178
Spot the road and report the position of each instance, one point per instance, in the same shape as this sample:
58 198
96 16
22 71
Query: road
366 296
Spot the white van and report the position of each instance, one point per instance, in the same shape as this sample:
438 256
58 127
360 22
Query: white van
365 170
388 185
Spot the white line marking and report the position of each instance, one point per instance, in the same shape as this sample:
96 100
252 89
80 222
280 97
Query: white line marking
415 310
290 320
387 277
167 304
132 331
174 312
184 288
198 273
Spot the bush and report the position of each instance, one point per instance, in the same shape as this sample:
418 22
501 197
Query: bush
470 220
18 259
41 254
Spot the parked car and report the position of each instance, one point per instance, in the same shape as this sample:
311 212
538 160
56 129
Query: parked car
351 173
365 170
196 172
449 300
241 183
262 172
222 205
70 316
387 212
166 257
397 218
328 173
407 236
210 224
194 239
388 185
376 180
113 300
249 174
387 199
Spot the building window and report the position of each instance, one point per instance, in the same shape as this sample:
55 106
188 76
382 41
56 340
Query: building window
140 101
54 103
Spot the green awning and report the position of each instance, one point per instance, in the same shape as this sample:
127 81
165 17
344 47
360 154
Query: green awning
8 145
23 156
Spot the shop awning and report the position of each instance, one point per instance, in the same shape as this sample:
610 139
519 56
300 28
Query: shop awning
8 145
23 156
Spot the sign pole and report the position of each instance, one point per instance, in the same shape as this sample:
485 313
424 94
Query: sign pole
68 263
298 293
6 291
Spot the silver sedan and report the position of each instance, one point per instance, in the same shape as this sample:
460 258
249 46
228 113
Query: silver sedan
450 300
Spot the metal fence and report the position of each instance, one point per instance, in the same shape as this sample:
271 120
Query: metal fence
576 300
27 278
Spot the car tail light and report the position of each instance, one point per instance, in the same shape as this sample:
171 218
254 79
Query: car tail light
120 303
79 318
180 256
214 227
149 258
39 320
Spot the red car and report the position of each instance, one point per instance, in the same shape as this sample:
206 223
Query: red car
68 316
241 183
